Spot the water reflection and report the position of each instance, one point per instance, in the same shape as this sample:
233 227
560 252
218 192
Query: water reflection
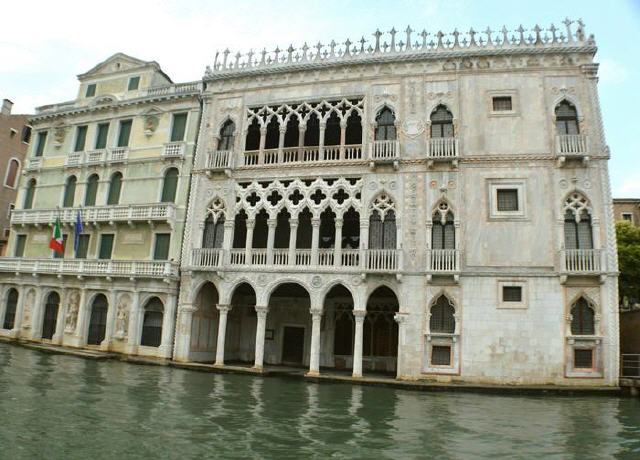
65 407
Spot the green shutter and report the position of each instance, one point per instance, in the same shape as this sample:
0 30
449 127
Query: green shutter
125 133
101 138
92 191
114 189
134 82
21 241
83 247
161 250
106 246
91 90
69 192
81 137
169 186
28 197
179 126
42 140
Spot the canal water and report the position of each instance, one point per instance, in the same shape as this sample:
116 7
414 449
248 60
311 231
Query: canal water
62 407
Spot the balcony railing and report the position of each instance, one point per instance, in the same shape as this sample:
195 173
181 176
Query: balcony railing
86 267
442 148
110 213
582 260
571 144
443 260
92 157
312 154
173 149
117 154
371 260
180 88
384 151
220 160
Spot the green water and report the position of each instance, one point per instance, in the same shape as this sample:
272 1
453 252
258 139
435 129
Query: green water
65 407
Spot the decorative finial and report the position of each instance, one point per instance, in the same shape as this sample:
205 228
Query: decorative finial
215 60
377 34
362 42
489 32
264 53
424 35
580 31
553 30
408 31
347 48
567 22
237 61
521 30
393 39
276 52
305 48
319 52
455 34
332 45
226 55
505 36
250 58
538 39
290 51
472 37
440 35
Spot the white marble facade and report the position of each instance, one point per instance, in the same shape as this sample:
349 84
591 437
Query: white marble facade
491 254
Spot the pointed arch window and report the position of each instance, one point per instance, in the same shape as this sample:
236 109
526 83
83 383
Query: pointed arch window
227 135
152 323
69 192
441 122
169 186
385 125
92 190
382 223
578 232
582 318
442 319
443 233
12 173
566 118
29 193
115 186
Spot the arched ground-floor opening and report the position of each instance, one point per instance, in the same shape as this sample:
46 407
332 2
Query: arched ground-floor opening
50 315
98 320
338 333
152 323
240 338
380 334
288 326
204 325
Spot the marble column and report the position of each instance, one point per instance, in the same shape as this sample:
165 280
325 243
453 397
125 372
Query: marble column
357 343
263 138
17 322
315 240
62 309
80 338
251 223
227 242
37 315
271 235
111 319
364 241
343 137
168 327
3 306
223 311
261 313
337 254
133 329
323 126
293 238
183 332
283 130
400 318
302 129
314 358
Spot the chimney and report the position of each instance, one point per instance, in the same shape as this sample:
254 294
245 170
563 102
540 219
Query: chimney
6 107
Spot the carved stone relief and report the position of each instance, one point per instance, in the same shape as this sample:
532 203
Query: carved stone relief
28 309
122 317
71 320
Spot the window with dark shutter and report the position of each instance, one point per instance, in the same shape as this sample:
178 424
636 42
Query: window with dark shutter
21 241
26 134
101 136
125 133
443 234
12 173
213 234
29 193
91 90
134 82
582 318
382 233
502 104
10 310
83 246
152 323
169 186
106 246
441 122
385 125
578 235
179 127
115 186
512 293
81 138
582 358
69 192
161 248
227 136
566 119
507 199
92 190
442 319
40 143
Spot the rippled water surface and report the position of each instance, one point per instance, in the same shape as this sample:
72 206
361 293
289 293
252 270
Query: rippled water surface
65 407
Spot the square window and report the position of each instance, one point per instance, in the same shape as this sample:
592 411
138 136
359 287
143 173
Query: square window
91 90
134 82
502 104
106 246
507 199
161 248
440 355
512 293
583 358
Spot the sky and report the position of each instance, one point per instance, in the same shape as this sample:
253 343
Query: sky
45 44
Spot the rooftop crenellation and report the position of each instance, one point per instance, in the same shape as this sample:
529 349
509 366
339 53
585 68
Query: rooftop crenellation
406 44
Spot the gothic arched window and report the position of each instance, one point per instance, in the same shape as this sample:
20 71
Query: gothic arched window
443 233
441 122
582 318
442 318
566 118
385 125
578 233
227 135
382 224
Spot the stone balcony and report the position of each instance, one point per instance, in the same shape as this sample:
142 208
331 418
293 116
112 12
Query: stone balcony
384 152
572 147
33 164
131 269
220 160
173 149
358 260
96 157
442 149
443 262
110 214
303 155
582 262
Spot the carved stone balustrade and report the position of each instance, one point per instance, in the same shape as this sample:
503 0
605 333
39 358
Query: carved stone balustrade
111 214
381 152
443 262
306 155
572 146
173 149
581 261
220 160
87 267
441 149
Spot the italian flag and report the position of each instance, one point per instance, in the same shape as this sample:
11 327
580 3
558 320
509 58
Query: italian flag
56 242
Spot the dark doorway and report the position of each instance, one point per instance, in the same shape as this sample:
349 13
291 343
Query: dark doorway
292 345
98 321
50 316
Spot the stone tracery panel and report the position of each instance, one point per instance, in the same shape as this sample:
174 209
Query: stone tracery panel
302 112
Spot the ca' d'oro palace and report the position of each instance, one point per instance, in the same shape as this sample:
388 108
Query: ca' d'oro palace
431 206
